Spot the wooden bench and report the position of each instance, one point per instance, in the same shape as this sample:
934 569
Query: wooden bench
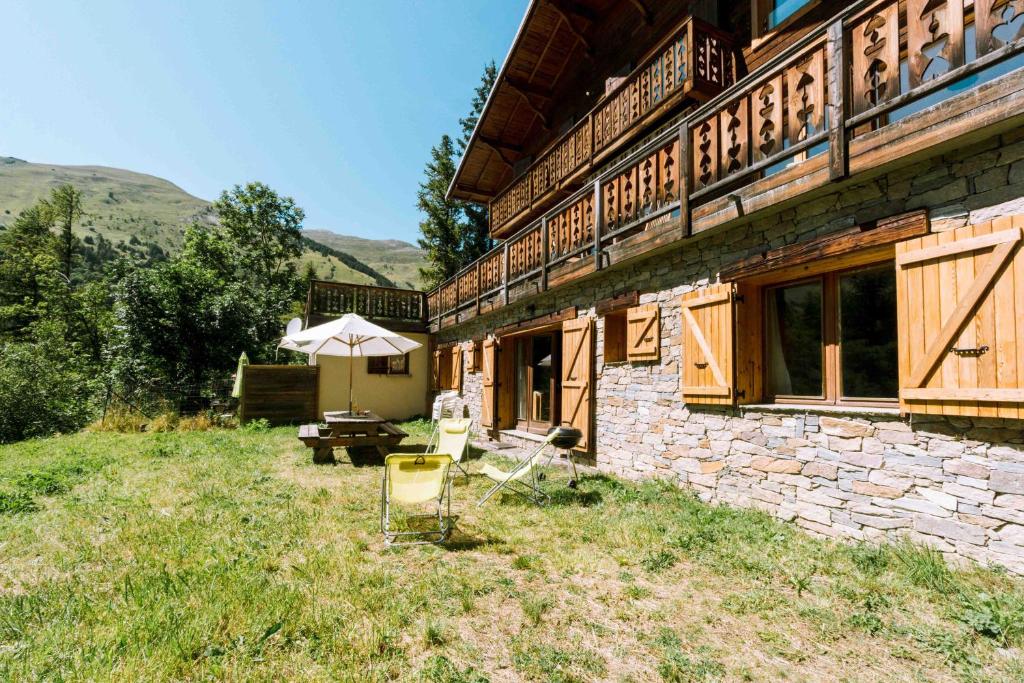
323 447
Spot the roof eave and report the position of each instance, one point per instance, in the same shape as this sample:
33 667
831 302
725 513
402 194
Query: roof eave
453 192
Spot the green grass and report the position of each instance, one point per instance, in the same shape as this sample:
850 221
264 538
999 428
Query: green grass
228 555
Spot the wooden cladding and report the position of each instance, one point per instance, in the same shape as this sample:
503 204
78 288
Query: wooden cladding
643 333
707 364
696 59
578 377
960 302
281 394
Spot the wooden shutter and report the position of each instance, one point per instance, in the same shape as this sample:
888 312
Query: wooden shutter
643 333
435 371
456 368
577 377
960 306
488 373
707 366
471 357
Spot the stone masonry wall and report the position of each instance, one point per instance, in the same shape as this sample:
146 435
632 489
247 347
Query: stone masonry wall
954 483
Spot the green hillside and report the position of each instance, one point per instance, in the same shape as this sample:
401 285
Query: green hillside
144 217
397 260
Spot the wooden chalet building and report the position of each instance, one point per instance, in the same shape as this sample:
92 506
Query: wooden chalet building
770 250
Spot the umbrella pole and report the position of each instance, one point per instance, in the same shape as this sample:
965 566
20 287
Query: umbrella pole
350 364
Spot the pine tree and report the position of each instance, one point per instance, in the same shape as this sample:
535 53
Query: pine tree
475 237
65 205
442 225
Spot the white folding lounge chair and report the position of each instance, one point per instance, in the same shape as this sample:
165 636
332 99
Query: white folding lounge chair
524 479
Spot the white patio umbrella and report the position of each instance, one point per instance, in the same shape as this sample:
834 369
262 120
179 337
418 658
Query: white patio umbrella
352 336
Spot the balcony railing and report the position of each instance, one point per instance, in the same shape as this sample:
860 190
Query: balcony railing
696 58
328 300
834 93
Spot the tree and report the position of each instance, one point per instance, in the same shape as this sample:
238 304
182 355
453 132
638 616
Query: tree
442 224
476 232
265 228
65 207
28 270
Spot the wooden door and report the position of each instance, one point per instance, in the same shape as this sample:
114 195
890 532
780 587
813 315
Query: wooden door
489 359
577 377
960 311
707 364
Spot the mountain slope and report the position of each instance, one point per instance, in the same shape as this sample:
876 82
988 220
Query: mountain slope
144 217
397 260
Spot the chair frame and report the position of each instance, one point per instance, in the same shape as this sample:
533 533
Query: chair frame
443 516
528 489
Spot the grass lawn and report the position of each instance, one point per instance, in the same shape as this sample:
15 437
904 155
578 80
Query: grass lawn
228 555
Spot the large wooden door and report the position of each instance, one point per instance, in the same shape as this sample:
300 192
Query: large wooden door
577 377
707 367
960 311
488 405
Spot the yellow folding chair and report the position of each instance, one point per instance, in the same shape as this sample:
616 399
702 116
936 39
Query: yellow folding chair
415 479
453 440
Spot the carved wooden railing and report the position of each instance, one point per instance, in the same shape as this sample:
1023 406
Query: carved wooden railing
334 299
829 87
696 58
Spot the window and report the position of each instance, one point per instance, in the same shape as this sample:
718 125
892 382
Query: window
771 14
388 365
615 337
832 339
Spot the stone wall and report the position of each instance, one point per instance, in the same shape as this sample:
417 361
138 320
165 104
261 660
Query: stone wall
954 483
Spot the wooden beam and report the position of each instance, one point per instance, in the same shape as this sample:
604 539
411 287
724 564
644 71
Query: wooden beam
577 9
883 232
497 150
534 323
617 302
644 11
529 103
565 12
528 88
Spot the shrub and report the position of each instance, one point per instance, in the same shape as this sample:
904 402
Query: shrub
45 387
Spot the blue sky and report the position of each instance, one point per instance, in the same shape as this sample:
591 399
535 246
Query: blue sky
334 103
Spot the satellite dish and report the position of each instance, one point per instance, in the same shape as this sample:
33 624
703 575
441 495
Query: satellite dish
294 325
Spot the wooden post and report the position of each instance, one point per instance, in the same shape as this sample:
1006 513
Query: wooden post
597 225
478 287
685 173
504 273
544 253
836 51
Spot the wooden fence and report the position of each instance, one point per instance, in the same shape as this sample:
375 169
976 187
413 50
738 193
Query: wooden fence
282 394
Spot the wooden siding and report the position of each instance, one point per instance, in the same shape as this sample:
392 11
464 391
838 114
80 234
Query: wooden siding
282 394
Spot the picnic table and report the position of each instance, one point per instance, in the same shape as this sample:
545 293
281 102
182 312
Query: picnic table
350 430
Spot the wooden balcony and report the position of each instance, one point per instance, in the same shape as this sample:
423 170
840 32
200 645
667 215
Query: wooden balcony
401 310
829 110
695 61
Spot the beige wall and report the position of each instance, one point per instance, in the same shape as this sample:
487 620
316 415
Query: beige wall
394 397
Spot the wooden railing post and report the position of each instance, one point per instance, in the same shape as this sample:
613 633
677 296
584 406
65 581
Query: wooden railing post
597 224
685 173
504 273
544 253
836 51
478 287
